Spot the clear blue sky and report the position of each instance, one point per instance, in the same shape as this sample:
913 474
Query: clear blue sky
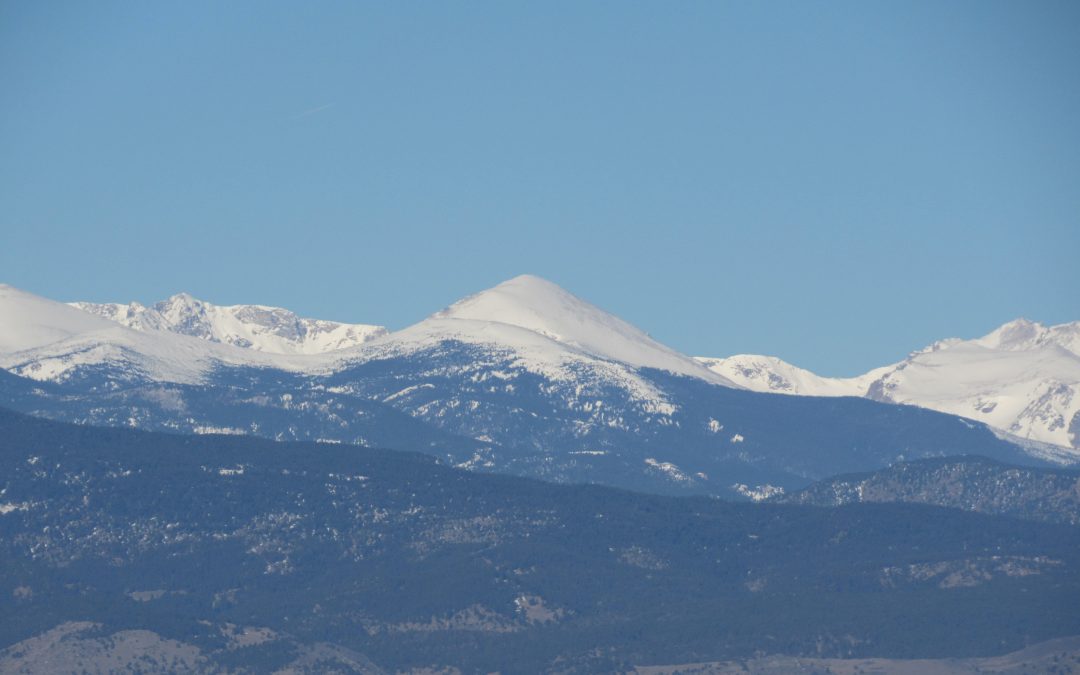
832 183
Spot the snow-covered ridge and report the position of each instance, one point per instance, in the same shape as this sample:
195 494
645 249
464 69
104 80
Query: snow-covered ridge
257 327
45 340
543 308
28 321
768 373
1023 379
531 324
525 323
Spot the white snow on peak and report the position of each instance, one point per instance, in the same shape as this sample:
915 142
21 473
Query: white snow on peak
28 320
526 322
546 309
1024 335
533 325
257 327
44 340
768 373
1022 379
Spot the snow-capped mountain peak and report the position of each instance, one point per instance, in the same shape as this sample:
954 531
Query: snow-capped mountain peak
1016 334
544 308
1023 379
1025 335
48 340
257 327
537 325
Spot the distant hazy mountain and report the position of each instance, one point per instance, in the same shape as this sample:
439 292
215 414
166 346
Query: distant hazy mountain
1022 379
166 553
268 329
523 378
967 483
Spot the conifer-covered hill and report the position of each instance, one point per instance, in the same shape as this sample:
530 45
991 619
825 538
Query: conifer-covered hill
968 483
261 555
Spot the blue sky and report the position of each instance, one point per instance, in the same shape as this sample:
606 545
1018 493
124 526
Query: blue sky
832 183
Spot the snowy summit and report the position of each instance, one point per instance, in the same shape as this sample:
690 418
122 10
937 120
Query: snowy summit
258 327
544 308
1022 379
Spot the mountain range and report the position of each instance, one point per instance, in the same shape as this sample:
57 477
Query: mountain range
523 378
329 497
1022 379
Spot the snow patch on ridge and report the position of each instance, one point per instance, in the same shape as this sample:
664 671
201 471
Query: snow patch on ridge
670 470
758 493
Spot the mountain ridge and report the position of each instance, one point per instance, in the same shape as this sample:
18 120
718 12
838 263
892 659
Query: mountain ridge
582 334
1022 379
257 327
48 340
970 483
524 390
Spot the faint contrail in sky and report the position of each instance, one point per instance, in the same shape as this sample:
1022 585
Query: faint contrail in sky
308 113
